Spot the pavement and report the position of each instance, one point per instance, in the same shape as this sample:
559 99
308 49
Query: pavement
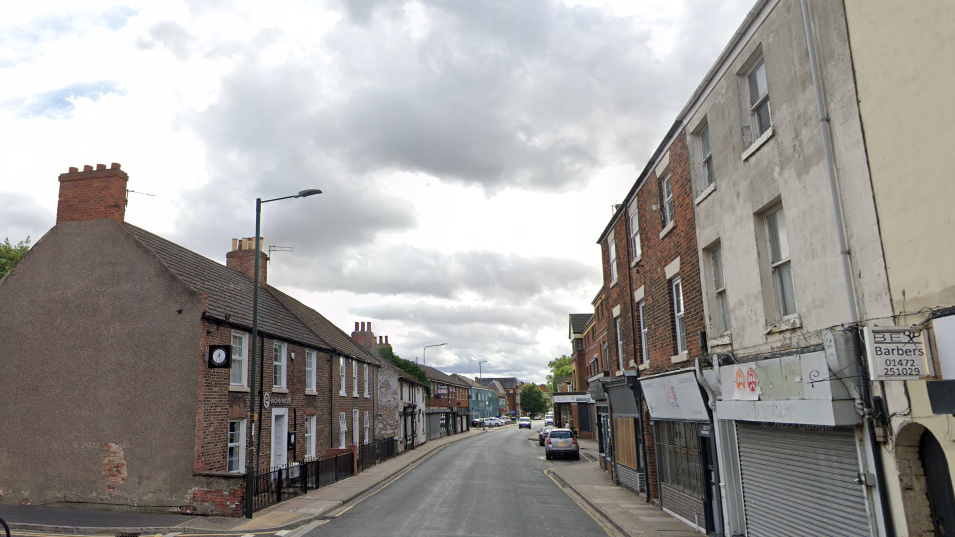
629 513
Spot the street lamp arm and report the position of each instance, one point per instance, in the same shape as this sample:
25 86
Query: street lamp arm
301 194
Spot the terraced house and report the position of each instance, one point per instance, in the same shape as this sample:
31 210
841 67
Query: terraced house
149 345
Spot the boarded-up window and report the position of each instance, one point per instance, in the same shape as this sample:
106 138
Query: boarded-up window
625 436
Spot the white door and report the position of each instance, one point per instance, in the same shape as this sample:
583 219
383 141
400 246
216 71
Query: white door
279 436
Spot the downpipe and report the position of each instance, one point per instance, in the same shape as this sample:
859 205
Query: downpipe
844 254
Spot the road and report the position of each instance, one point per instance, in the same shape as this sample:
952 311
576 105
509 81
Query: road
494 484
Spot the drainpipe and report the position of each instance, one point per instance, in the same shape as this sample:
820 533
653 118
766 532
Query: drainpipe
846 265
331 399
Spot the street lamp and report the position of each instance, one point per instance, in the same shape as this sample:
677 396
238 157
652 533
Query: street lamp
424 352
483 395
249 467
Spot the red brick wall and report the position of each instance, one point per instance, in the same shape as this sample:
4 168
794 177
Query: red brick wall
244 261
92 194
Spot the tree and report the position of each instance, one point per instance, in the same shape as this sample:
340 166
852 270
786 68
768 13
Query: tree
559 367
408 367
10 255
532 399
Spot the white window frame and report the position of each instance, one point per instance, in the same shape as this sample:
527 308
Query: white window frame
354 375
758 100
644 332
666 187
706 149
279 369
240 362
679 323
342 429
311 367
613 260
354 426
719 290
310 428
367 393
619 324
780 263
342 378
635 234
237 444
367 427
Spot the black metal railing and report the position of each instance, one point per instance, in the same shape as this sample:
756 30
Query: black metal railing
285 482
377 452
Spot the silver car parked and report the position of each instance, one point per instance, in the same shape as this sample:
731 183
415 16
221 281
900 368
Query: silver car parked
561 442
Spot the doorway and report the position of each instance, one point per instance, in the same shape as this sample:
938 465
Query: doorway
279 436
711 483
938 482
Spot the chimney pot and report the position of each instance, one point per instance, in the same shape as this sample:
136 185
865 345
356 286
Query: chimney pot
386 340
114 166
356 326
100 167
74 169
369 326
242 259
87 168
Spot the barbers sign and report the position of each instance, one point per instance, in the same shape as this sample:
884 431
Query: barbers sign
898 353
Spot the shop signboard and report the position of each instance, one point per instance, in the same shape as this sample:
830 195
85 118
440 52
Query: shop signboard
674 397
898 353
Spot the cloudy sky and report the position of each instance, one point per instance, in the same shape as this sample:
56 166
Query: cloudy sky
469 151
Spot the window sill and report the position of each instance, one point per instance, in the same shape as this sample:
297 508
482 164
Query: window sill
754 147
706 193
277 389
241 389
618 373
789 323
721 341
636 260
311 392
680 358
643 367
614 282
667 229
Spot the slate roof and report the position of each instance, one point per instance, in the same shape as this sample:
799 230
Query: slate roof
579 322
229 292
496 387
441 376
339 340
468 382
505 382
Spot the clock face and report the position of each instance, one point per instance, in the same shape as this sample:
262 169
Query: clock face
218 356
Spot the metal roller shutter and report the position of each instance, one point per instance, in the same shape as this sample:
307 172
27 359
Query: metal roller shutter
800 482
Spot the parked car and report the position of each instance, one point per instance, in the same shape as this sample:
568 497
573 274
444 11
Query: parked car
524 422
542 434
476 422
561 443
494 422
549 422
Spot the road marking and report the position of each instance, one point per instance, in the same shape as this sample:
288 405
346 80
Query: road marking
399 476
585 508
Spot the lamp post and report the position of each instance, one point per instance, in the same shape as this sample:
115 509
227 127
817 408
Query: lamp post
483 394
424 352
252 452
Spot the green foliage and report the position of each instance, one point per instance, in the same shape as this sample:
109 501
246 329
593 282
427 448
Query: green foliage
408 367
10 255
562 366
532 399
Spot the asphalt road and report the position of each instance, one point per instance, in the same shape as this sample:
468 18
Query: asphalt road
494 484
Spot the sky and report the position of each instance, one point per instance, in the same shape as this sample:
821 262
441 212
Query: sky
469 152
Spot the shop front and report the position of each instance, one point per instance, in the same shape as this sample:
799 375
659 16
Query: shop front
800 446
626 426
573 408
601 417
685 449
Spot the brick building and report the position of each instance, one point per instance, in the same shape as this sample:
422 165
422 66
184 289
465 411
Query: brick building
653 291
131 362
448 407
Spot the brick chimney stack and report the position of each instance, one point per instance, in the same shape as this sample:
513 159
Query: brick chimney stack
90 194
242 259
365 337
